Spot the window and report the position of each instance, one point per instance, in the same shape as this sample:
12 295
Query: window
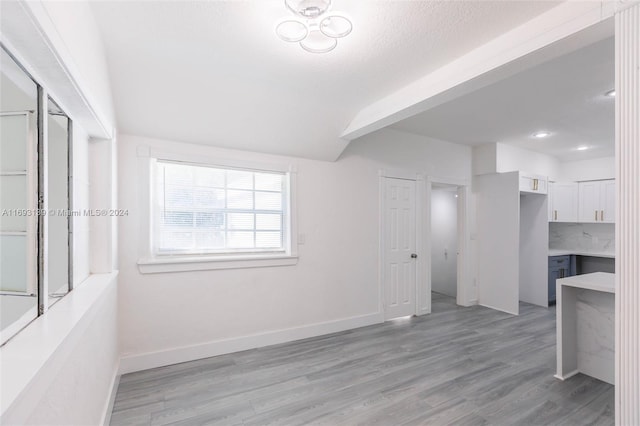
34 200
202 212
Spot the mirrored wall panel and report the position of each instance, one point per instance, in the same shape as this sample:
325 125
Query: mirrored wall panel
18 198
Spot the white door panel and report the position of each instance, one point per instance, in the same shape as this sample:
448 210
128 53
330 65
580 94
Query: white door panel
400 241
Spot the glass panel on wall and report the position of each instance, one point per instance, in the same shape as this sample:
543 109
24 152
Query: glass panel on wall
18 197
58 202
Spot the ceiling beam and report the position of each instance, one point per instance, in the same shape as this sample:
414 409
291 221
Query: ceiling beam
567 27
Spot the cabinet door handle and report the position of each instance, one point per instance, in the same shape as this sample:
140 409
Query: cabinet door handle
555 215
535 184
596 215
602 215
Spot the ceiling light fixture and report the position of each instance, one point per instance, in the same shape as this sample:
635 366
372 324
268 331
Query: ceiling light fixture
582 148
315 28
611 93
541 134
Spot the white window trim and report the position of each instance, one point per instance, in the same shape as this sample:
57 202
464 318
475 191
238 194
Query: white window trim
148 263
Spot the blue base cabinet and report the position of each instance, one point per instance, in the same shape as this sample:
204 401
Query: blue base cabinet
559 267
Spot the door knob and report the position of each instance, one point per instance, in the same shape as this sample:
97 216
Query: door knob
414 256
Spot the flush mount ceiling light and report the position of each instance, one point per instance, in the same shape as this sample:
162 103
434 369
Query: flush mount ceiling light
582 148
315 28
611 93
541 134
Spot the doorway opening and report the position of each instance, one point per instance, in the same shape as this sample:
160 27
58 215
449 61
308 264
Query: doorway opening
444 242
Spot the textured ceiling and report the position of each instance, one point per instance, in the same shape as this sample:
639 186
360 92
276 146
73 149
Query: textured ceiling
564 96
215 73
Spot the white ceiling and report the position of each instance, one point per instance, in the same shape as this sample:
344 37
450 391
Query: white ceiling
564 96
214 72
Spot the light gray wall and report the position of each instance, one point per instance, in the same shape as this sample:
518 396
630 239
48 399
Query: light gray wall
336 277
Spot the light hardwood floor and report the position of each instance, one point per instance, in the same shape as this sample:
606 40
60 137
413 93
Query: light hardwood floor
462 366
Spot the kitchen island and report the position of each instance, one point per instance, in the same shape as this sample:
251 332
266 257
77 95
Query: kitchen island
585 313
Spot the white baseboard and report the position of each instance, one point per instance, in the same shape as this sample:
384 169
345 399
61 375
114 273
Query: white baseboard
566 376
145 361
108 409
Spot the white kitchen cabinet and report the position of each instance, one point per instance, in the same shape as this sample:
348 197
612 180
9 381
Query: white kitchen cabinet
597 201
533 183
608 199
563 202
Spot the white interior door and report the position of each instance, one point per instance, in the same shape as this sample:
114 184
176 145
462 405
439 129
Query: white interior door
399 248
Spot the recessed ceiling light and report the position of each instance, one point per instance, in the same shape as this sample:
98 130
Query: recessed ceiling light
541 134
582 148
611 93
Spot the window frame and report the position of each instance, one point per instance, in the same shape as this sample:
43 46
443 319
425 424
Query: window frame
53 108
38 186
152 262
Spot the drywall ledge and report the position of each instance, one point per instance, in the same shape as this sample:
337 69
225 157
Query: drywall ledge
31 361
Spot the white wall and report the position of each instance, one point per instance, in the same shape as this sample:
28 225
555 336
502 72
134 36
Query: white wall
60 45
444 244
397 149
75 384
336 278
511 158
498 240
81 236
80 392
502 158
80 41
61 368
484 159
594 169
67 377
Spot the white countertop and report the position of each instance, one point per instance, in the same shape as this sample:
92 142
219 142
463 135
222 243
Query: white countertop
564 252
600 281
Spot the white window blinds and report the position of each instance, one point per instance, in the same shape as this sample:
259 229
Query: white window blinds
209 210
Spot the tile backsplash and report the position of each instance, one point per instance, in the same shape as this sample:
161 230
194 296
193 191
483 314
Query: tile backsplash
596 237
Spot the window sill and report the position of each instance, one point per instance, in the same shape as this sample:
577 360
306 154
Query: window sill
204 263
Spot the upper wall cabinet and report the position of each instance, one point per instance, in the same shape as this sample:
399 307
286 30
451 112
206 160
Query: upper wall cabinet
597 201
533 183
563 202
